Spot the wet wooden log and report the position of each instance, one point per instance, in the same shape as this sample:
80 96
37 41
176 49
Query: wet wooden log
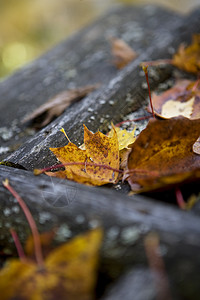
74 208
137 284
152 32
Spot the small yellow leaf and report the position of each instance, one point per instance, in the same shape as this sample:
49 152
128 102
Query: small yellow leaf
125 138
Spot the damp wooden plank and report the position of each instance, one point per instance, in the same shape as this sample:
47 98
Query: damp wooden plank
74 208
86 59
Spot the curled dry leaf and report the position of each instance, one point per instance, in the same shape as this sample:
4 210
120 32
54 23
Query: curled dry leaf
99 149
56 105
182 99
122 53
188 58
162 155
69 272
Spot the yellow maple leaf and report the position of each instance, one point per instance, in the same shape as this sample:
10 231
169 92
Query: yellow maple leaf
100 153
188 58
125 138
69 272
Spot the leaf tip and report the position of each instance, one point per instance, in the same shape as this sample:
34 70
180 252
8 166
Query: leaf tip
145 67
37 172
5 182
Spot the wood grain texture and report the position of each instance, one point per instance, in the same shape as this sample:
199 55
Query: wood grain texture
74 208
85 58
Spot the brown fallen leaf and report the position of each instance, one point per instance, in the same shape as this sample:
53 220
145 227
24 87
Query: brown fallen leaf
122 53
188 58
56 105
69 272
123 158
99 149
162 155
182 99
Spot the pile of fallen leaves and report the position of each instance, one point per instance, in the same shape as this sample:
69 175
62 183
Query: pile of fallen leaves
162 155
166 152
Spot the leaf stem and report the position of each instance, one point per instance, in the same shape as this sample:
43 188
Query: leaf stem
179 199
156 62
63 131
85 164
40 171
157 266
147 79
32 224
134 120
18 245
196 85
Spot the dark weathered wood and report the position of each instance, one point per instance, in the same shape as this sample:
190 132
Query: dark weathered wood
136 284
85 59
70 199
151 31
73 208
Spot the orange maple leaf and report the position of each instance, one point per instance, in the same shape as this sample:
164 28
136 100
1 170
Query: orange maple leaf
101 153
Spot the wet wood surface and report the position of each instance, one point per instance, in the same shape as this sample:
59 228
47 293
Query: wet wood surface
71 208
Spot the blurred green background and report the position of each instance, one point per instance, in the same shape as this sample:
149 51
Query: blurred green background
30 27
